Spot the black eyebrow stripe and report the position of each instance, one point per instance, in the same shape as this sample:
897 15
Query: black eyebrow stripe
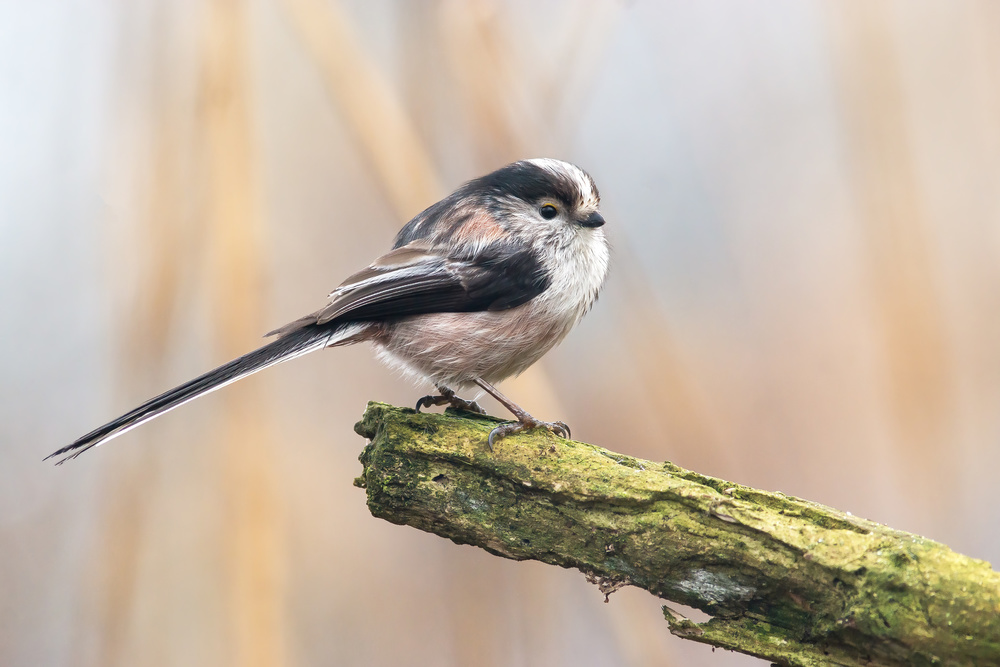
525 181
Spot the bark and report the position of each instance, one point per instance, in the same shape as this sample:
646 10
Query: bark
784 579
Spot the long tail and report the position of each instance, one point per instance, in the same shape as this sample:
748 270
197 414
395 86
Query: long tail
294 344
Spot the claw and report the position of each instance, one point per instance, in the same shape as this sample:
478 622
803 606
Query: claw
468 406
507 428
524 420
429 400
448 397
500 431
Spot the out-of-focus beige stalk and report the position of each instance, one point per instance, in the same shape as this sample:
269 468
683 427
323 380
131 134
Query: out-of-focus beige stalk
120 552
399 158
901 262
254 537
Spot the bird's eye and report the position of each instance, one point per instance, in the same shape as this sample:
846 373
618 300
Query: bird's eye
548 211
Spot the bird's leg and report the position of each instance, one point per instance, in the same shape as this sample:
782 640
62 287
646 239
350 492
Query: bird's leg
524 420
448 397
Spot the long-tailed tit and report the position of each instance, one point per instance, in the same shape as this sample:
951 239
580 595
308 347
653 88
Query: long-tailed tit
476 289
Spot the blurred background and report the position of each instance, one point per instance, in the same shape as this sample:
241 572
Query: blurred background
804 201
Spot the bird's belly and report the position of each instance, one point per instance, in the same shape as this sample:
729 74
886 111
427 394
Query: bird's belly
454 349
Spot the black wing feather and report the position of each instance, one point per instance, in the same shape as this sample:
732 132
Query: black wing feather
498 277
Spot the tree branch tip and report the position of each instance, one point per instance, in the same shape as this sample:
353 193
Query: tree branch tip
785 579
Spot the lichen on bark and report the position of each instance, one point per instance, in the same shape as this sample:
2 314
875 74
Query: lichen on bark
785 579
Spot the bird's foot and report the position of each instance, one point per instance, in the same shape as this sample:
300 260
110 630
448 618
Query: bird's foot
449 398
527 422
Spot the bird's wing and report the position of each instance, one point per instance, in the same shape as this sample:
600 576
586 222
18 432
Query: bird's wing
419 278
416 279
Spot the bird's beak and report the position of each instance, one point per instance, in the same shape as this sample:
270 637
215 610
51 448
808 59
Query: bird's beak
595 219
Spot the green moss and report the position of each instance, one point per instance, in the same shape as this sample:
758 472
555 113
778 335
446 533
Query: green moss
786 579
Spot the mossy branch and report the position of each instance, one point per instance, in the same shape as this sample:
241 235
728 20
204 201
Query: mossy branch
784 579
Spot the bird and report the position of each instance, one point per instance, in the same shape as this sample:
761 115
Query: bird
475 289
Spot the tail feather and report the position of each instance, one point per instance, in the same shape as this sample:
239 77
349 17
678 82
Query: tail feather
294 344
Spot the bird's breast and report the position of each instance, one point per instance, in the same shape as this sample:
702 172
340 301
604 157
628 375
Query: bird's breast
455 348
